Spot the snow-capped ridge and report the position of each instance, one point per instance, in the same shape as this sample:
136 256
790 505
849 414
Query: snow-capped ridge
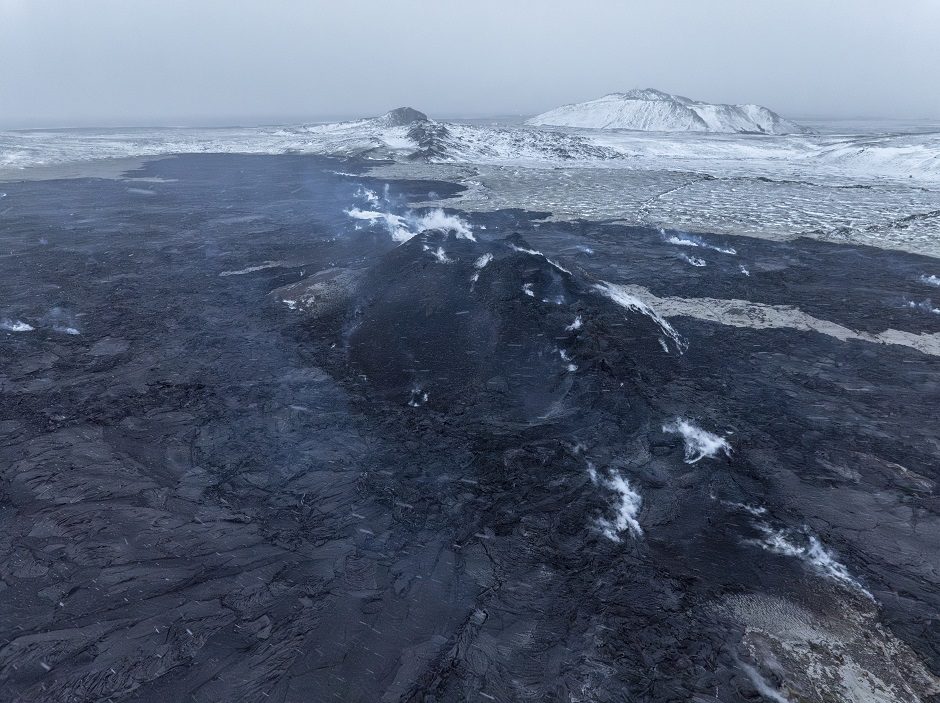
648 94
401 117
651 110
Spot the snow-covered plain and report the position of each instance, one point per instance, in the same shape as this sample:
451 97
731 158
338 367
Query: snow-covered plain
876 155
878 184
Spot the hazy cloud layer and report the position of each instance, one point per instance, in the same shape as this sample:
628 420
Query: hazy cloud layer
213 61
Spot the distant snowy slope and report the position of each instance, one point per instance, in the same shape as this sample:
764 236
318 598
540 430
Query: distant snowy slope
405 133
652 110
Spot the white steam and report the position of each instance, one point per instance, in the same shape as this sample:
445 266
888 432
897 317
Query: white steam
924 306
438 219
763 688
690 240
61 320
806 547
418 397
483 261
566 357
368 195
401 228
395 224
15 326
627 505
441 256
620 296
252 269
534 252
699 443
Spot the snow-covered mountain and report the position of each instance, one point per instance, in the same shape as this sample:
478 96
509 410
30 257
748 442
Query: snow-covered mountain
652 110
406 133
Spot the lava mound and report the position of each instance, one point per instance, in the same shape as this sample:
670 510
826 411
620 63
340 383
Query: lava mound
448 321
402 116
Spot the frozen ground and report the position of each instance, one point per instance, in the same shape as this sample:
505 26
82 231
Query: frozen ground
870 183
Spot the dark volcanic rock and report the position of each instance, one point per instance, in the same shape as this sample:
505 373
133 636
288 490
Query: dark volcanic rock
288 459
403 116
431 139
324 293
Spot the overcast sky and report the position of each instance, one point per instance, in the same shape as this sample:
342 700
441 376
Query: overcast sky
121 62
